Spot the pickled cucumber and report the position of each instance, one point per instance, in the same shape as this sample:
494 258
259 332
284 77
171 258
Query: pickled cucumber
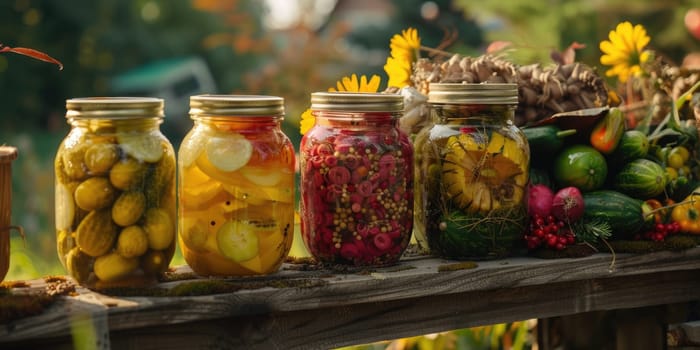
132 242
96 233
94 193
128 174
100 157
159 228
79 265
113 267
161 180
72 159
128 208
65 207
238 240
154 262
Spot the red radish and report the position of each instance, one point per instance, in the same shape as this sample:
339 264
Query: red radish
567 204
540 201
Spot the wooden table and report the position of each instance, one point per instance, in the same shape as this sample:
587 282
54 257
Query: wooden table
331 309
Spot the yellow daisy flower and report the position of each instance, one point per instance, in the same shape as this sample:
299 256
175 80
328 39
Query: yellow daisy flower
345 84
350 84
624 52
399 72
406 45
404 51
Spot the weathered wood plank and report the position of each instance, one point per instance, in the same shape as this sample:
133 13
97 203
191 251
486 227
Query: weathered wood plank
389 303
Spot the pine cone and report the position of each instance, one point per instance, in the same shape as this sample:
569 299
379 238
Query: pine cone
555 89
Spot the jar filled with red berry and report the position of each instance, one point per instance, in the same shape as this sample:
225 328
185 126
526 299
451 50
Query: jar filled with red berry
472 169
356 180
236 186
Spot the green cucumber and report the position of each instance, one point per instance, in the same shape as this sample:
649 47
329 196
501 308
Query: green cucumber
624 213
547 139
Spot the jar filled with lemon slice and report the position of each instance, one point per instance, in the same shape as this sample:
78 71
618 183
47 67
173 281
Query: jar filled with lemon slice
472 170
115 192
236 186
356 180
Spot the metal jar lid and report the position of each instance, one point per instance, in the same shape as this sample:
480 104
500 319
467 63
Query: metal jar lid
114 108
356 102
485 93
236 106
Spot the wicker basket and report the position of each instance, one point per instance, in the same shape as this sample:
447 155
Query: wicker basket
7 155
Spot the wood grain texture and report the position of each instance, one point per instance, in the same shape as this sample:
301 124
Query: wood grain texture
410 299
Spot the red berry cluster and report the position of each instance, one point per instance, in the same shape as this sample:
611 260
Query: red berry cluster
660 230
550 232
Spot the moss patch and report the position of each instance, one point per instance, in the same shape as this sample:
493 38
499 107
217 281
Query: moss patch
210 287
464 265
15 305
574 251
676 242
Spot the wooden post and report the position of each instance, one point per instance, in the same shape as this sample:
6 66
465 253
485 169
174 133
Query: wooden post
7 155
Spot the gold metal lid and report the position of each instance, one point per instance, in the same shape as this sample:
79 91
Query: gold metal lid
236 105
485 93
114 108
356 102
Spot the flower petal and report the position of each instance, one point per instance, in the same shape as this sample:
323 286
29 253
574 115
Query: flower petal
307 121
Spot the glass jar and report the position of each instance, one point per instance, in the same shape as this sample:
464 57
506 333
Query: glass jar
115 192
356 180
472 169
236 186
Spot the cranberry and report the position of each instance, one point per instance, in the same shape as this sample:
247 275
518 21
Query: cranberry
338 175
330 161
365 188
323 149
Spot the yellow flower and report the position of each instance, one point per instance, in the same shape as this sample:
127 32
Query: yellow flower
350 84
406 45
399 72
307 121
624 52
404 51
345 84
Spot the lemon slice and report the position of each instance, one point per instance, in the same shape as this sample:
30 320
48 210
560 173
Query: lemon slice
238 241
65 208
144 147
229 153
262 176
194 176
196 196
194 233
249 194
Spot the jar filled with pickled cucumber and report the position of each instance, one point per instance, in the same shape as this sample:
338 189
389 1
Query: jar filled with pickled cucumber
356 180
115 192
472 169
236 186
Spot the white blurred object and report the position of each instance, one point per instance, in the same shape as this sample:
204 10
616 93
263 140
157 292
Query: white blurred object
416 113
